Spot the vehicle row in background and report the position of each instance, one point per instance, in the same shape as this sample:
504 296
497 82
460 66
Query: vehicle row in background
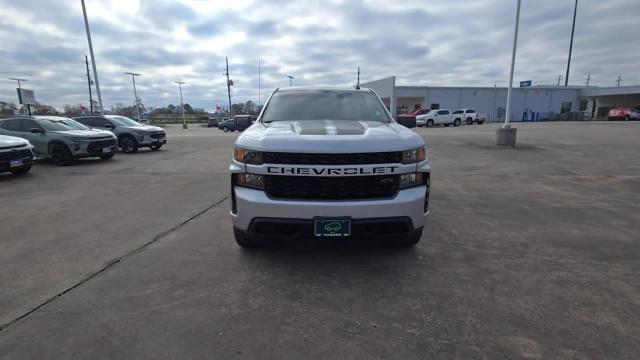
62 139
16 155
238 122
131 134
446 117
624 113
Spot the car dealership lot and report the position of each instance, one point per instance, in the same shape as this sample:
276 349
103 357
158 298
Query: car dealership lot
530 252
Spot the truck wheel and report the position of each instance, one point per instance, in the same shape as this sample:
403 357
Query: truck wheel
480 122
21 170
225 129
244 241
106 156
128 144
412 239
61 155
429 123
469 121
456 122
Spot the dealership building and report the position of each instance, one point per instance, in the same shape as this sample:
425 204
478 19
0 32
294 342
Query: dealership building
541 102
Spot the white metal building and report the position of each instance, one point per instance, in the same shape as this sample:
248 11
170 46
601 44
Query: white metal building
550 102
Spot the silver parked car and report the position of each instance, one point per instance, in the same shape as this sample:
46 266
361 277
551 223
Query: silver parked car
131 134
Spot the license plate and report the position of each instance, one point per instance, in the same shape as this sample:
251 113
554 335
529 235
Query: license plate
15 163
106 149
326 227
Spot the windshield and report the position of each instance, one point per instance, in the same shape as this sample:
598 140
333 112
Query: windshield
324 105
61 124
123 121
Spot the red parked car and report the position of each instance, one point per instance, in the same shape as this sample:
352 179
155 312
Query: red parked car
413 114
624 114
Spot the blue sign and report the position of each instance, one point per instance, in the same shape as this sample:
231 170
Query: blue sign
525 83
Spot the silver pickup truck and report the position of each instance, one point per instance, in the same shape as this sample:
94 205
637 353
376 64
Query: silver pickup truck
328 163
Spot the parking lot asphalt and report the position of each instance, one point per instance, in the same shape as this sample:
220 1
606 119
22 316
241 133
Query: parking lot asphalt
532 252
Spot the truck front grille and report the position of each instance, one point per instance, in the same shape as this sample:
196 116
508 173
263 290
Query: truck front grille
96 146
332 159
15 155
331 188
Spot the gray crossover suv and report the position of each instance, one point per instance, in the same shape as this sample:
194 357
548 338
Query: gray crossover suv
131 134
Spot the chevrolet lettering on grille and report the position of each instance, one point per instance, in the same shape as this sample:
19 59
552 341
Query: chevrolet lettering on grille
325 171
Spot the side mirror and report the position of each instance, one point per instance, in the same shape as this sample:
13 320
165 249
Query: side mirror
36 131
407 121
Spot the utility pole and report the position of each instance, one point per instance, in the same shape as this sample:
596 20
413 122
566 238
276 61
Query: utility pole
20 91
358 81
229 84
290 78
618 82
135 94
86 61
184 120
93 58
573 27
588 78
559 78
259 82
506 136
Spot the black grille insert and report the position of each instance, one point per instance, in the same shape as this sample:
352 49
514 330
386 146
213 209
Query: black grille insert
15 155
331 188
157 135
96 146
332 159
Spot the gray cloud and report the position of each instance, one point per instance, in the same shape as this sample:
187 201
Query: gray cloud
435 42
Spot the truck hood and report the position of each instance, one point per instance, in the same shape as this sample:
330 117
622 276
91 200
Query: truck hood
8 142
328 136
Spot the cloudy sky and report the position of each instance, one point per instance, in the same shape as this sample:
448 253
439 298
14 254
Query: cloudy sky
319 42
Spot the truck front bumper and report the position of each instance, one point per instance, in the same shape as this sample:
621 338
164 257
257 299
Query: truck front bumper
251 204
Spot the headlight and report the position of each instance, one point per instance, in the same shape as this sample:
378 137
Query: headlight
141 133
413 156
254 181
411 179
247 156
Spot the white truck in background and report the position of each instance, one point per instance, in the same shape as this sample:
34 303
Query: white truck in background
436 117
468 116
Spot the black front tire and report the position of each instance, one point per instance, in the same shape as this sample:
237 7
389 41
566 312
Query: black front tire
456 122
480 122
106 156
244 241
412 239
21 170
225 129
61 155
128 144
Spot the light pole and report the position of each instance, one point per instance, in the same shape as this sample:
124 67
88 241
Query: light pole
86 62
93 58
506 136
19 87
184 120
135 94
573 27
290 78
